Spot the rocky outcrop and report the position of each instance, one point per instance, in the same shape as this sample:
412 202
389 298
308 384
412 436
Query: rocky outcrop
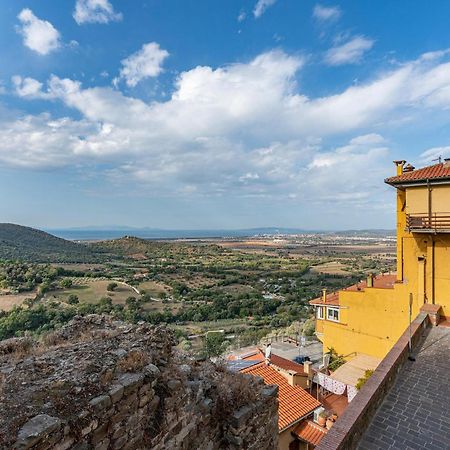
103 384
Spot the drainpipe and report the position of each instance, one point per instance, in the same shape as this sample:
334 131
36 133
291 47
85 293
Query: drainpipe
430 211
432 269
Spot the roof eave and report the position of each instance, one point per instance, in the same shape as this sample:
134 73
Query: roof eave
420 182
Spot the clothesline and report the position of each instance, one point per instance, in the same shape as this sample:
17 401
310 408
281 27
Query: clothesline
335 386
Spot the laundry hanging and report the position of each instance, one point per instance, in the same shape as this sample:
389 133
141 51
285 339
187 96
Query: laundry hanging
351 392
330 384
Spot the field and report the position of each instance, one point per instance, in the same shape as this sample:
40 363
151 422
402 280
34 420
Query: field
92 292
8 301
245 287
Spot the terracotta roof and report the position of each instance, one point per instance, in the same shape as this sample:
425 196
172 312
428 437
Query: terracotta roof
257 356
294 401
437 171
384 281
286 364
310 432
331 299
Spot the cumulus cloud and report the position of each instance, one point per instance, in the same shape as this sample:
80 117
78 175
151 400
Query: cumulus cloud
261 6
248 123
145 63
27 87
38 35
95 11
326 13
349 53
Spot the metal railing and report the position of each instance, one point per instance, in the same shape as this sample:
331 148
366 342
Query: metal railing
435 222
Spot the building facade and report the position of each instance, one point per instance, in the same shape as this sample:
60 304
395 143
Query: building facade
370 316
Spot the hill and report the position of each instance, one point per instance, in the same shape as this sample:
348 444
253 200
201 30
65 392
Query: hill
29 244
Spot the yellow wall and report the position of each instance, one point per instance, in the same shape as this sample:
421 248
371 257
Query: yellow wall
372 320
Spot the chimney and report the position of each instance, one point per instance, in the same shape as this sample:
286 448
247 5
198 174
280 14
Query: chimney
399 164
370 280
446 162
408 168
307 367
324 295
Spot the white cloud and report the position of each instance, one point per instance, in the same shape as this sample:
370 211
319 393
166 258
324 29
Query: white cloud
244 129
38 35
349 53
261 6
95 11
146 62
27 87
326 13
433 154
241 17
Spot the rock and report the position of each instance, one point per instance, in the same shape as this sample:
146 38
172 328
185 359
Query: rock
101 402
116 392
131 382
35 429
151 370
173 385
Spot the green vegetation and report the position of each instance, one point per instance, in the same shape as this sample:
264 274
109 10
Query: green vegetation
194 287
18 242
336 360
362 381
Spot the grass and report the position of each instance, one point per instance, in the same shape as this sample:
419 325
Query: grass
331 268
7 302
154 288
93 291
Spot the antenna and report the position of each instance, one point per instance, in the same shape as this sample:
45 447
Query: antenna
439 158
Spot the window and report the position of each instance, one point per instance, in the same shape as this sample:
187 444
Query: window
333 314
320 314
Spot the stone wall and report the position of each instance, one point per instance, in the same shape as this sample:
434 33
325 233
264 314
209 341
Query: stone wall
348 429
99 384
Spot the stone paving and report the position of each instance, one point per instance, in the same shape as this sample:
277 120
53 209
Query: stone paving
415 413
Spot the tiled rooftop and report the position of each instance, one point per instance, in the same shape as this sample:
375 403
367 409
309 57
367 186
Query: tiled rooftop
294 402
310 432
414 414
286 364
437 171
383 281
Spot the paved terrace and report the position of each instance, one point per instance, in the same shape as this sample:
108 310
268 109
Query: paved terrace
415 412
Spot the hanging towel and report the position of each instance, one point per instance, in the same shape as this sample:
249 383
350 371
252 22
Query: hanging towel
351 392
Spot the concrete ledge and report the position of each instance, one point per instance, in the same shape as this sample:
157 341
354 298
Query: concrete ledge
348 429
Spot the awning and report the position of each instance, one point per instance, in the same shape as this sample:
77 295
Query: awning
350 372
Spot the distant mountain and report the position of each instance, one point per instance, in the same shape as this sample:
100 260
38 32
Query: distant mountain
19 242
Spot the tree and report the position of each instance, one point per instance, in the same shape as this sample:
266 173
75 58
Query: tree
66 283
215 344
72 299
111 286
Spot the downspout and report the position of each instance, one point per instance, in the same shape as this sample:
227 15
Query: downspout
429 204
432 269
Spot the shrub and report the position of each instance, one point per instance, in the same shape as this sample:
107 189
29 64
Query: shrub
362 381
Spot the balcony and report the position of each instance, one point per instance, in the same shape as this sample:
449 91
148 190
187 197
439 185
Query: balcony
428 223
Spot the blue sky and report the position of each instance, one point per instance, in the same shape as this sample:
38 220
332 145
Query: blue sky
217 114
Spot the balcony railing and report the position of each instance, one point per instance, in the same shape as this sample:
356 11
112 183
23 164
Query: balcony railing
426 223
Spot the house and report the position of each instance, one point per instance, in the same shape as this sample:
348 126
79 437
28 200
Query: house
295 404
370 316
298 410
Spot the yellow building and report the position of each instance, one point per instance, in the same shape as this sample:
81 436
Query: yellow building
370 316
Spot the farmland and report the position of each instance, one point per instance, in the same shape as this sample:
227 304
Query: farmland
195 285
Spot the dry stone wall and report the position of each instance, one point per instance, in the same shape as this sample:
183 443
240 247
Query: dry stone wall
100 384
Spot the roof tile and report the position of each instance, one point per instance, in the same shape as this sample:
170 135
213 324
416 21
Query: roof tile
310 432
383 281
437 171
294 401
